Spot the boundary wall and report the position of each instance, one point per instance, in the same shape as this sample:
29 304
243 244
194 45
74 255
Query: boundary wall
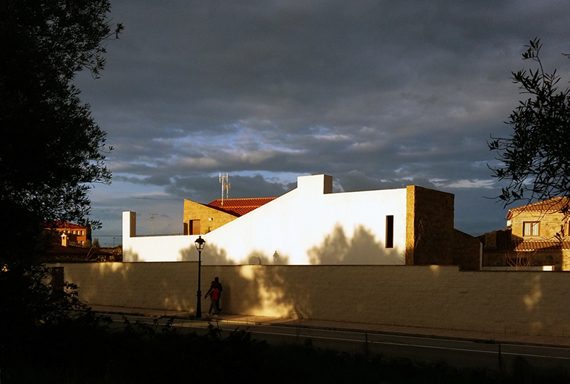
523 303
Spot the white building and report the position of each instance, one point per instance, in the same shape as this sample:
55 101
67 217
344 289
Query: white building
312 225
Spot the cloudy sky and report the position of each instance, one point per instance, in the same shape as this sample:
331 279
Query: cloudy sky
378 94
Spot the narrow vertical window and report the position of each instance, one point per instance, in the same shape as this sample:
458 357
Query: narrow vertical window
389 231
195 227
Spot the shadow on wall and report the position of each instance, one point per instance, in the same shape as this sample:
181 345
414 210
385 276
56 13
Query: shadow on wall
168 286
363 248
165 286
503 249
260 258
532 301
517 301
336 248
129 255
212 255
262 290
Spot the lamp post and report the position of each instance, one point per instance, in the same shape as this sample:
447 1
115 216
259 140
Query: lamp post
199 246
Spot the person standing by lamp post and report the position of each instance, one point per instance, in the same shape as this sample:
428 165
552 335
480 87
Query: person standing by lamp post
215 293
199 246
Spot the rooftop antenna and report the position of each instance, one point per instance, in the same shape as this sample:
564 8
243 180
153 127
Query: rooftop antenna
225 181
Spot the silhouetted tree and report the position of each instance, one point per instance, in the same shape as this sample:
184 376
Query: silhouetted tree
535 161
51 148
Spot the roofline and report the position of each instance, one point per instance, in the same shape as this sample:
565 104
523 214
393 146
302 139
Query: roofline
243 198
534 207
221 210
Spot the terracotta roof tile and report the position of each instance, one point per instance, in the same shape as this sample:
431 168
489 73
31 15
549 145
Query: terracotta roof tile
556 204
65 224
241 205
540 245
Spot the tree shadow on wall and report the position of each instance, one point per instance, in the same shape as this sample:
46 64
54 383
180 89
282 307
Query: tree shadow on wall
268 291
130 256
363 248
260 258
259 288
211 255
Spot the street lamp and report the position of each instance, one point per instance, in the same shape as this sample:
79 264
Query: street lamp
199 246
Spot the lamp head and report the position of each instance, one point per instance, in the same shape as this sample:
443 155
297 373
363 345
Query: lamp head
200 243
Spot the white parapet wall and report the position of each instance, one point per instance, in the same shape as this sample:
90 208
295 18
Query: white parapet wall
154 248
308 225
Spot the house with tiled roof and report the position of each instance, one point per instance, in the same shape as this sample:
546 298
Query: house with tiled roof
240 205
311 224
551 215
68 233
201 218
536 235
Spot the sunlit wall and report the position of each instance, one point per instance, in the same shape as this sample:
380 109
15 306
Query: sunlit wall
309 225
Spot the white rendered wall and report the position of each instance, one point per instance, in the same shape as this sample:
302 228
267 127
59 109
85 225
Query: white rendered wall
155 248
304 226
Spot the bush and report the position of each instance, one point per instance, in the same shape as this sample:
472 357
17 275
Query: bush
87 350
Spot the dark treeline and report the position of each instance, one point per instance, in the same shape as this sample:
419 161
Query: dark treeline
87 350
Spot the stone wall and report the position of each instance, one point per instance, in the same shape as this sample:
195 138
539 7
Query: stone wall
209 218
566 259
551 224
467 251
429 226
419 296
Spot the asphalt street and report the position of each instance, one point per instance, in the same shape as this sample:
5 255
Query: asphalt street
457 352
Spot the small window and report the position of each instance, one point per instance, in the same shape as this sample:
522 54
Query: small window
389 231
531 228
195 227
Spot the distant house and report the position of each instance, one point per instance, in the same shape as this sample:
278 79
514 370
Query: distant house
200 218
71 242
70 234
536 236
313 225
542 221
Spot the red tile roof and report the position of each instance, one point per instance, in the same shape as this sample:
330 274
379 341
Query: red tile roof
531 245
64 224
556 204
241 205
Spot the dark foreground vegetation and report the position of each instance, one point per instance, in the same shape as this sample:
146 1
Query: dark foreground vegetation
88 351
52 153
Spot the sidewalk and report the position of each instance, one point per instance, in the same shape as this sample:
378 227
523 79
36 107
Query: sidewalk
347 326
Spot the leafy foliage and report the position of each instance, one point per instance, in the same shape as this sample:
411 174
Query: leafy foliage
51 149
29 300
535 161
52 146
86 352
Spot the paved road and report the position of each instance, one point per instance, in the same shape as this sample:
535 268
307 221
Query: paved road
455 352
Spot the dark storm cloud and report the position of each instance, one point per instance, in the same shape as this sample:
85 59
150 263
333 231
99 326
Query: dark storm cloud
376 93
